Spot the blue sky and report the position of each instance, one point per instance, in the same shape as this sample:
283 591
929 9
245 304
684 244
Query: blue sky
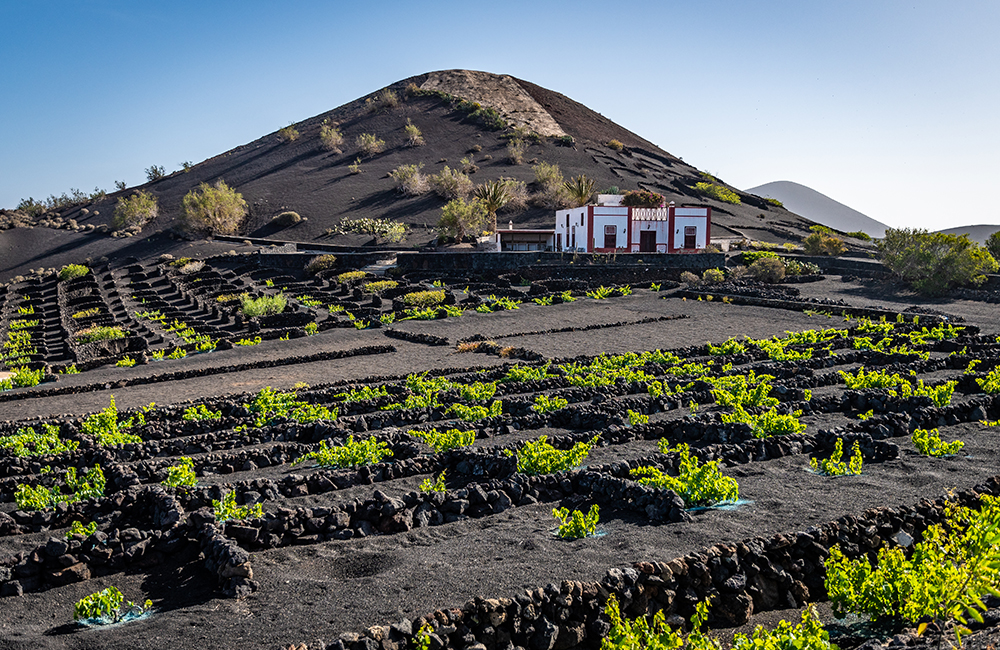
887 106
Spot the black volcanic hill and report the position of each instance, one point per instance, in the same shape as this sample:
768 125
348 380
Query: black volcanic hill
276 175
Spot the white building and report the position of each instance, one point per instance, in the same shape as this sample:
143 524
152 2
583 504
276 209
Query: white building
610 227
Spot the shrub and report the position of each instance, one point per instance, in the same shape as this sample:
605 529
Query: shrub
713 276
642 199
451 184
369 144
409 180
576 525
932 263
72 271
436 485
424 298
385 100
321 263
450 439
350 454
833 466
950 570
269 405
516 149
99 333
90 486
698 484
615 145
494 196
768 270
199 413
108 431
579 190
286 219
717 192
78 528
929 443
384 229
775 202
459 216
863 236
690 279
350 277
181 474
468 164
218 209
749 257
135 210
546 404
263 306
288 133
155 173
379 286
330 137
476 413
539 457
105 607
414 137
227 509
823 244
767 424
25 442
355 167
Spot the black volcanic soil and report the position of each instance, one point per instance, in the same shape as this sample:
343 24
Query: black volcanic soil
323 590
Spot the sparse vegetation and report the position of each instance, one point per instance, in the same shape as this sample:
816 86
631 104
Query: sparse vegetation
263 306
369 144
767 269
384 229
615 145
424 298
819 243
409 180
288 133
451 184
932 263
414 138
459 216
579 190
321 263
72 271
99 333
135 210
217 208
551 191
516 149
330 137
717 192
642 199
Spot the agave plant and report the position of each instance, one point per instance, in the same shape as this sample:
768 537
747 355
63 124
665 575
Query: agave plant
579 190
494 195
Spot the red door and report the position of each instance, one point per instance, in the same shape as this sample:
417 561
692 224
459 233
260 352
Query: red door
690 236
610 236
647 241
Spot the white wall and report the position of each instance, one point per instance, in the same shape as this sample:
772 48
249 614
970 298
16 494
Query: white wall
577 219
662 229
700 222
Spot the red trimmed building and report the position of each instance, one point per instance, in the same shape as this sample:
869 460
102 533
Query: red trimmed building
610 227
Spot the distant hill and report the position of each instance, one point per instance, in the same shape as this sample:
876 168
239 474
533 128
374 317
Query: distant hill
978 233
819 207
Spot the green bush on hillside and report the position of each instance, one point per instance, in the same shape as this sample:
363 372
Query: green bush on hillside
933 263
135 210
